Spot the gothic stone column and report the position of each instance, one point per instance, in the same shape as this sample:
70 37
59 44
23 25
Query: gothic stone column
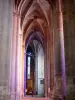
13 68
5 39
59 88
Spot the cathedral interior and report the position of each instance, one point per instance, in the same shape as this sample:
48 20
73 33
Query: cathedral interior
37 49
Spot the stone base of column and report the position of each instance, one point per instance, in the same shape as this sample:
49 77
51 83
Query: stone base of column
4 97
17 96
4 91
14 96
58 88
58 98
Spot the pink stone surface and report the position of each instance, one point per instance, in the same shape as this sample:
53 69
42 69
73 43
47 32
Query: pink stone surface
33 98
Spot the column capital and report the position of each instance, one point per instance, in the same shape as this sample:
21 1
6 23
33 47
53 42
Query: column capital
15 13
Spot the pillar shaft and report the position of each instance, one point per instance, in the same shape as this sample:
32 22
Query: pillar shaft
25 73
59 55
13 69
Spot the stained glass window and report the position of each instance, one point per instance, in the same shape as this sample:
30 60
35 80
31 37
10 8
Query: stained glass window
28 67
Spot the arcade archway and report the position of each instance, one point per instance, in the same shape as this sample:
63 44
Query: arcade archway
37 16
34 70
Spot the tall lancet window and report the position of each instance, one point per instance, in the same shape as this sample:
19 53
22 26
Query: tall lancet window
28 65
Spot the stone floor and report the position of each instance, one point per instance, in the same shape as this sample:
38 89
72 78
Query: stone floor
33 98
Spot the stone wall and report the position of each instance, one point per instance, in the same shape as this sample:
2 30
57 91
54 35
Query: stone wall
69 36
5 40
40 71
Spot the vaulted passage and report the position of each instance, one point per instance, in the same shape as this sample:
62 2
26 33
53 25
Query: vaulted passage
34 81
34 71
39 47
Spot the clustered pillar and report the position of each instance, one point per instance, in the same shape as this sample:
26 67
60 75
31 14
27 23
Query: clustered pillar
59 86
13 71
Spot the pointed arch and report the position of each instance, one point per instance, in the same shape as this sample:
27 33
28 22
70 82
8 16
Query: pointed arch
33 7
35 35
31 26
24 8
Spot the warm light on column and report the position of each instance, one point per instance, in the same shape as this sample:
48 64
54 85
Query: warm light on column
19 59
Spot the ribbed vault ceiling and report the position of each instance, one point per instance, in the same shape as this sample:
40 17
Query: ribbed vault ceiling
17 2
34 14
